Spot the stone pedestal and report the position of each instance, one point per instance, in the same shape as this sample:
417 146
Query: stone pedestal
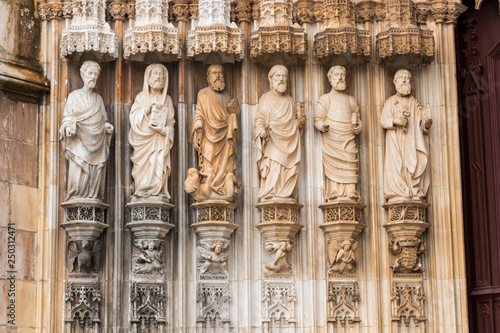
342 226
150 223
214 227
406 223
279 225
84 222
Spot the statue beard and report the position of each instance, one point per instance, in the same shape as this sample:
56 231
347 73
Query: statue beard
158 84
91 83
218 85
404 89
280 87
339 85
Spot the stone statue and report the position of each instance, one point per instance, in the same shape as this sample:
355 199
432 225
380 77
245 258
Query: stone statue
281 251
202 191
86 135
406 145
213 259
215 135
337 118
84 255
148 256
343 258
278 125
152 135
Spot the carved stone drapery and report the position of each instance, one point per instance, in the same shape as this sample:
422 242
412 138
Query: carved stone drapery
152 33
89 32
276 34
403 37
339 34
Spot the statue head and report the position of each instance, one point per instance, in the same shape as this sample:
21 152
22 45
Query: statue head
336 76
215 77
346 245
156 77
278 77
89 72
402 82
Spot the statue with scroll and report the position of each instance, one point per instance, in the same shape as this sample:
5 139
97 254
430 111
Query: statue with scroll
215 136
278 125
337 118
152 136
85 135
407 124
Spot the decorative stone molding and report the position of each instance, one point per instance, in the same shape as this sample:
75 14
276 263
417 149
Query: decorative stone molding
82 307
89 32
215 33
304 11
67 10
365 10
380 11
403 37
149 219
278 306
243 11
50 10
118 10
343 304
318 11
214 211
339 35
193 11
148 307
181 12
276 34
131 10
213 300
422 10
408 299
255 11
152 33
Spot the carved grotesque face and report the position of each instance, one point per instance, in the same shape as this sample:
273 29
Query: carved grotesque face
402 82
337 79
156 78
89 76
278 81
216 78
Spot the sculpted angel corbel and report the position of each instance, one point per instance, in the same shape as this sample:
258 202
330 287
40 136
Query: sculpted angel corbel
84 254
212 259
343 256
148 256
281 251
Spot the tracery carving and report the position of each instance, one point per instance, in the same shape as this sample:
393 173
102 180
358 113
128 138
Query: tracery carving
276 34
339 35
82 307
89 32
278 305
408 303
148 306
402 35
213 304
343 303
152 32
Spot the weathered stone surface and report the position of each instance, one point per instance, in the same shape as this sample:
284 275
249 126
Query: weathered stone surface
4 203
24 122
18 162
24 207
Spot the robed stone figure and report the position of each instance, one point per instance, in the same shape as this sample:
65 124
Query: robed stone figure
85 135
215 136
406 146
278 125
337 118
152 136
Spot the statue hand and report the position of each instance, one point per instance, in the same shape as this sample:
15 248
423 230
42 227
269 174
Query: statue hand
157 129
108 128
69 131
428 122
301 121
401 121
324 128
264 134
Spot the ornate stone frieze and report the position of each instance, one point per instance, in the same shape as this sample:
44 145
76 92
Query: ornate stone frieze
339 34
82 307
243 11
152 33
118 10
89 32
148 307
181 11
228 41
213 300
276 34
50 10
403 37
278 305
408 299
343 304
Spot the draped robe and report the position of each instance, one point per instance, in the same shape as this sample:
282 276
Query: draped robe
151 158
218 144
279 155
87 151
340 153
406 153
